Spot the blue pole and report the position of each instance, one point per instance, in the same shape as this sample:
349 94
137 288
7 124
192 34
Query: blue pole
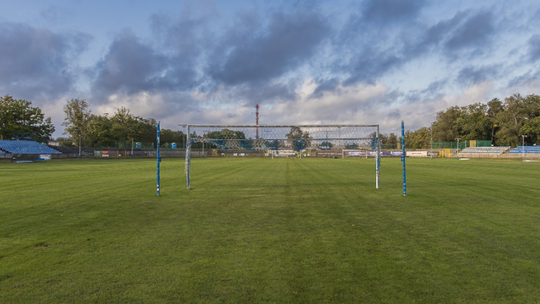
378 159
158 159
403 157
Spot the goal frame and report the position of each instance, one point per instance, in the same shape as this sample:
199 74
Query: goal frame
190 141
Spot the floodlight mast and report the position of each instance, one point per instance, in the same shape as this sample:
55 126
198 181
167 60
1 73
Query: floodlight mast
523 148
257 120
457 150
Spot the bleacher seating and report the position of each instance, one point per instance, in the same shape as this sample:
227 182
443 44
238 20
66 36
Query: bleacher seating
25 147
525 150
484 150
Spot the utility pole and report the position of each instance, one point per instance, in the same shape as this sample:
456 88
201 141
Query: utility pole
457 150
523 148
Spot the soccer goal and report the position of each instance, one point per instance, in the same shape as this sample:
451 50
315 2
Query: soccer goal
290 140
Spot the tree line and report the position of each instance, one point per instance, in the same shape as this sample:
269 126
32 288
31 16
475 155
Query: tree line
20 120
104 131
503 123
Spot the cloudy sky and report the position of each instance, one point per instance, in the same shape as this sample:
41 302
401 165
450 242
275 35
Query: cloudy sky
303 62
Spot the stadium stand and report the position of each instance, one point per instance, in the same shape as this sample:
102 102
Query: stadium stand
483 151
492 150
525 150
25 147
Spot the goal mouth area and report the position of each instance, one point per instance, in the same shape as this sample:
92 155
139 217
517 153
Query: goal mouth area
282 137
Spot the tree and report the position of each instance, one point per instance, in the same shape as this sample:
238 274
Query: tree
77 119
170 136
272 144
219 138
99 132
502 123
474 122
531 129
125 125
326 145
511 120
392 139
19 120
446 127
297 139
418 139
225 134
494 107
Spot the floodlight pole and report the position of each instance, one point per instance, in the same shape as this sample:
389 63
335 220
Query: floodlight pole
80 146
523 148
431 140
457 150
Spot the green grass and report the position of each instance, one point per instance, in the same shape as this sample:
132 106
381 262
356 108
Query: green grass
278 231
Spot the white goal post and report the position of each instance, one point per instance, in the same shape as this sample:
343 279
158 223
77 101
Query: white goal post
272 138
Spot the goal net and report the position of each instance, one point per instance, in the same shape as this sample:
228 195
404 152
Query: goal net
299 140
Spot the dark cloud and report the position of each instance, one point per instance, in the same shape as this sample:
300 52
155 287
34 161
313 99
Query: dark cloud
370 66
36 62
474 75
475 31
465 31
187 36
379 52
435 87
132 66
437 33
534 48
266 92
329 85
391 11
529 78
289 41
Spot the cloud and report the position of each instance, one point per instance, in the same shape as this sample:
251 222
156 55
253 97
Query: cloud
51 14
534 48
528 80
346 104
438 32
37 62
373 61
132 66
391 11
289 41
371 65
474 75
475 31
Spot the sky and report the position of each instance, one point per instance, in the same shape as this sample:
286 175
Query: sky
304 62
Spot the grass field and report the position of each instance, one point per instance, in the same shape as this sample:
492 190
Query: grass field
261 230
